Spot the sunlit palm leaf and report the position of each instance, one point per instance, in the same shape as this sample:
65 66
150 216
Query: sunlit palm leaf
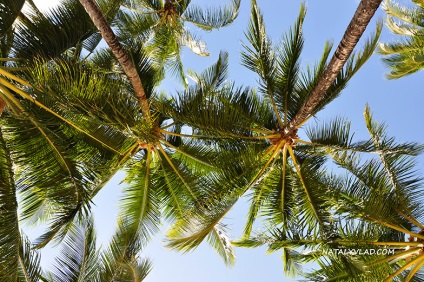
141 202
404 56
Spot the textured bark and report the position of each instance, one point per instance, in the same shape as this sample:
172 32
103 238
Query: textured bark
353 33
2 105
119 52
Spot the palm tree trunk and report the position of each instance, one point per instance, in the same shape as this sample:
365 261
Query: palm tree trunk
353 33
2 105
119 52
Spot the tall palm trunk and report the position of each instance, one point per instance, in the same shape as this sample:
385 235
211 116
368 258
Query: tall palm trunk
119 52
353 33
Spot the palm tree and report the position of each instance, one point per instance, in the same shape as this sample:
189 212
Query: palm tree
406 56
353 33
161 27
281 171
377 204
56 175
53 175
71 124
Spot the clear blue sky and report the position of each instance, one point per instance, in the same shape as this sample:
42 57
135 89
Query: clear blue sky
398 103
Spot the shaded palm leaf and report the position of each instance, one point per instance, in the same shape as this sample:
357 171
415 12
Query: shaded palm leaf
10 242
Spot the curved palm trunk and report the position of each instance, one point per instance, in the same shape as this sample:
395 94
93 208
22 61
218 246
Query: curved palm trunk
119 52
353 33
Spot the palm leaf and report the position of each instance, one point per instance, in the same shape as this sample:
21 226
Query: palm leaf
212 18
120 262
10 242
78 260
140 203
29 263
9 11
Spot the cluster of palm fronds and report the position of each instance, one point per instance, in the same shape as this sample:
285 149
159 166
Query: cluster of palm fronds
405 56
72 121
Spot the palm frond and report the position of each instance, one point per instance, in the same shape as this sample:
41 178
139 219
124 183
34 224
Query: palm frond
188 233
335 133
9 12
216 107
121 260
406 14
50 34
214 76
29 262
133 25
78 260
212 18
204 219
196 45
140 205
10 241
288 60
404 56
260 58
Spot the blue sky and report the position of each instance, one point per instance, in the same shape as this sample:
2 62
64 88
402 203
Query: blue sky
398 103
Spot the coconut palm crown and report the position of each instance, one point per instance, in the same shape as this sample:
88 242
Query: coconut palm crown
377 230
280 172
71 123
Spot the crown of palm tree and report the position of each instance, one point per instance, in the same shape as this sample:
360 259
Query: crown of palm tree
375 205
281 172
70 127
